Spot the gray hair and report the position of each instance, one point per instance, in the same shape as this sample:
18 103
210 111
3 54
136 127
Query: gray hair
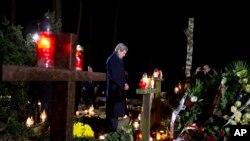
121 47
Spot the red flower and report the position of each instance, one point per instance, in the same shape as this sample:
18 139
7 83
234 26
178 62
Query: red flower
184 136
221 134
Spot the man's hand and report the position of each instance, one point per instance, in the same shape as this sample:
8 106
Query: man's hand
126 86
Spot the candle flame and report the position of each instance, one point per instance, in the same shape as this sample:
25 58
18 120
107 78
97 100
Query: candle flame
29 121
43 116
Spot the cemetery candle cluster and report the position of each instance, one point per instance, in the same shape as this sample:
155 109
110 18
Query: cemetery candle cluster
148 82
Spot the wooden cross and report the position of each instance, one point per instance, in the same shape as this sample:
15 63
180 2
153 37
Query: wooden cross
64 76
151 99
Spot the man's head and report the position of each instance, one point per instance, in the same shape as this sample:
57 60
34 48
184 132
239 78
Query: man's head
121 50
206 68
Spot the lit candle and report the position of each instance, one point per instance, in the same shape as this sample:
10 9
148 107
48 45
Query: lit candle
152 83
85 112
79 57
77 113
139 117
45 50
45 44
43 116
158 136
29 121
156 73
144 81
91 111
136 125
101 137
176 90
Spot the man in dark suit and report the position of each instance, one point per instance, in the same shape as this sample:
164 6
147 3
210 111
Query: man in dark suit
116 86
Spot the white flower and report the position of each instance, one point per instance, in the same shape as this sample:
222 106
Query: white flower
224 80
233 109
237 104
193 98
243 122
245 80
227 129
232 122
246 117
237 119
238 114
226 117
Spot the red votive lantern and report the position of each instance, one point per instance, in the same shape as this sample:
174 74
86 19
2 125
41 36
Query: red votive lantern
137 135
79 57
45 45
142 84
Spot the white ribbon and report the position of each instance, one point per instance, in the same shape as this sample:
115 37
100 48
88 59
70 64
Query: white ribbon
240 109
176 112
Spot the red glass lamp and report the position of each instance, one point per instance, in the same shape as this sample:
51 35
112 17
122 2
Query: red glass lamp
45 45
79 57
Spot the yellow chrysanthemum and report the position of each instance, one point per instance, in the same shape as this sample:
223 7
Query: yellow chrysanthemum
82 130
78 129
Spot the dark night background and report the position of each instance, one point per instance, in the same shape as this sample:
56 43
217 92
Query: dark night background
153 31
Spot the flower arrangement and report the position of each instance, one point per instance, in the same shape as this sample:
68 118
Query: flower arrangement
184 117
230 107
235 95
82 130
235 85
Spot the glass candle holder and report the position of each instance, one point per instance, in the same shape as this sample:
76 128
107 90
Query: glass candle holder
45 50
79 57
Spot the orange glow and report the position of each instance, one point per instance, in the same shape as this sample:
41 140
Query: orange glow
45 41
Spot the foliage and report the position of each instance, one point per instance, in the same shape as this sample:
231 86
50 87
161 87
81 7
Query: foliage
127 127
233 105
15 49
16 128
235 83
193 104
14 102
234 102
84 139
118 135
235 99
56 23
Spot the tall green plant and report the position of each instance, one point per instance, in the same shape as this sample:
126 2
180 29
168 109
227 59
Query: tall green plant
15 49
